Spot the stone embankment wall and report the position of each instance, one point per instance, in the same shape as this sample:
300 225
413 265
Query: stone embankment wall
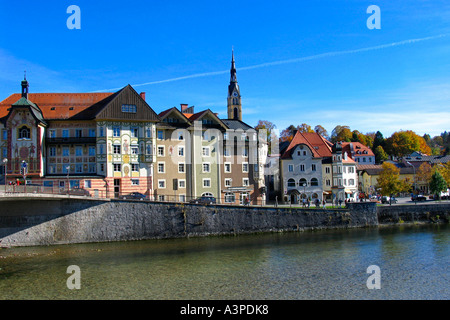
433 212
62 221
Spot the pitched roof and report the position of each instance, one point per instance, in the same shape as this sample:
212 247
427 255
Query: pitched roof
56 106
356 149
313 140
235 124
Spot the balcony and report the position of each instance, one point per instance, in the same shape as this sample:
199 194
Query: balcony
71 140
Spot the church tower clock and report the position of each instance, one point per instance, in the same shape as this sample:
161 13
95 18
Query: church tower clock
234 94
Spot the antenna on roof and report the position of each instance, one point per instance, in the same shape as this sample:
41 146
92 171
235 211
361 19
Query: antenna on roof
25 75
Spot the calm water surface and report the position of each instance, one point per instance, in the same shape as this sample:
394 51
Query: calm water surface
414 264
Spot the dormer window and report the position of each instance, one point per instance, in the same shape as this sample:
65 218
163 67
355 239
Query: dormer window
129 108
24 132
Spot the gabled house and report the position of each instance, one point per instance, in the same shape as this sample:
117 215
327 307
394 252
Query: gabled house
100 142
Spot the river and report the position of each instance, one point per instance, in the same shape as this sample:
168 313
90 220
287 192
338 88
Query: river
413 263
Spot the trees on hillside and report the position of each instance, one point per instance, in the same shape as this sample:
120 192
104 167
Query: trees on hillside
402 143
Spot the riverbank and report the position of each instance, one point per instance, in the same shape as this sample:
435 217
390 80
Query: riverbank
49 221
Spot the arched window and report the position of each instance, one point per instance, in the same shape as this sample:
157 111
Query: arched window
314 182
291 183
24 132
302 182
207 194
236 113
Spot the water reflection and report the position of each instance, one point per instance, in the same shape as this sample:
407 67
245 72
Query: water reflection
310 265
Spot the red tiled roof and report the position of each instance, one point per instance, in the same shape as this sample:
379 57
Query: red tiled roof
357 146
318 145
65 105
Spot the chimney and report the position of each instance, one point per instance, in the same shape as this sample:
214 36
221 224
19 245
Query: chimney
184 106
142 94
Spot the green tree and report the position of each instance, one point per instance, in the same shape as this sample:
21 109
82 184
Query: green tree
380 154
437 184
269 127
389 181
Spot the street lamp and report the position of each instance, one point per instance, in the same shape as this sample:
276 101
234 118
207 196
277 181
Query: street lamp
5 164
68 187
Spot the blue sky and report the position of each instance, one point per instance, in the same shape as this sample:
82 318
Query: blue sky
334 70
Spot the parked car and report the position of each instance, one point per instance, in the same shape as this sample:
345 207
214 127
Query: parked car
77 192
418 197
386 199
204 200
134 196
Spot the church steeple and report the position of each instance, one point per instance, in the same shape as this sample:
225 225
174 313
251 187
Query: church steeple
234 94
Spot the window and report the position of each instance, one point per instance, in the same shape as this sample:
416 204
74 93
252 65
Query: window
351 182
102 149
52 151
134 182
78 151
78 133
65 151
230 198
91 151
291 183
245 167
162 184
116 149
91 168
245 152
129 108
117 167
205 151
291 168
65 133
78 168
226 152
181 183
245 182
134 150
302 167
181 151
327 170
135 132
181 168
180 135
91 133
135 167
148 132
227 167
161 197
161 168
182 198
314 182
160 151
313 167
206 167
160 134
5 134
101 132
149 149
206 183
24 132
116 131
205 136
102 167
302 182
225 136
328 182
228 182
51 134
